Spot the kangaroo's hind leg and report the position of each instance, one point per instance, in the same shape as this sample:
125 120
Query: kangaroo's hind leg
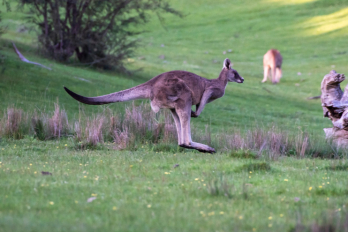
278 73
177 124
265 73
183 110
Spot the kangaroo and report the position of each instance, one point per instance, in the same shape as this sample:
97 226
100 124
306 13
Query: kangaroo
177 91
272 60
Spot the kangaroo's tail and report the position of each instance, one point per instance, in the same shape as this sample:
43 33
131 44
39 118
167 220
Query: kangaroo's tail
138 92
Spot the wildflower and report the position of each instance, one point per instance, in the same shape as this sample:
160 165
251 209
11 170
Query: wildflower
310 188
57 147
240 217
51 203
211 213
130 165
84 176
29 164
202 180
66 145
269 225
167 173
320 186
222 212
254 229
327 199
76 202
281 215
286 180
328 182
270 218
94 194
196 179
249 177
149 206
204 184
35 172
250 172
3 149
80 164
114 208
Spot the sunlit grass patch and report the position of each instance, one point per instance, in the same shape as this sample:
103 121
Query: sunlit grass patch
319 25
289 2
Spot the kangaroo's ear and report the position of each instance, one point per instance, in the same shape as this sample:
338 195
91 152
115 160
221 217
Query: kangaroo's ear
227 64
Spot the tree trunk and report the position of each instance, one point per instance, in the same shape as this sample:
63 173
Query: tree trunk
335 107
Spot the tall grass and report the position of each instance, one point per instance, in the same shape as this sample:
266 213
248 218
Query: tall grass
139 125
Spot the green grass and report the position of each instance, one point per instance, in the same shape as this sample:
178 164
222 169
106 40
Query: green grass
148 192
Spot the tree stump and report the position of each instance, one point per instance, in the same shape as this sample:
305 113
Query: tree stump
335 107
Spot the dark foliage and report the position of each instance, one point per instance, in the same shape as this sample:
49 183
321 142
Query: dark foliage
99 33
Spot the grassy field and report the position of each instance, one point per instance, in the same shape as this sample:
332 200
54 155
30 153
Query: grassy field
140 190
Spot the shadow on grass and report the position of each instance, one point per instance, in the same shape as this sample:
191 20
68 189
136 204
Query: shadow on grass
340 167
254 167
244 154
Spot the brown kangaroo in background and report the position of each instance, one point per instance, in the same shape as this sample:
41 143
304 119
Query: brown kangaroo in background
272 60
177 91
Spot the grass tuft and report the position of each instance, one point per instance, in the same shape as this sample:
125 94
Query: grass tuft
220 186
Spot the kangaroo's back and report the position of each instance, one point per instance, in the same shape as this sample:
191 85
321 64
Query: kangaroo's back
273 58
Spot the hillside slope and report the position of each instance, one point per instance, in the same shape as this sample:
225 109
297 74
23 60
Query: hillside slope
311 35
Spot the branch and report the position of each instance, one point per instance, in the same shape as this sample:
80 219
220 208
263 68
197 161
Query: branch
26 60
315 97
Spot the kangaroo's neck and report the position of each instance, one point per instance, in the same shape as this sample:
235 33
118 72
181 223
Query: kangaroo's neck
222 79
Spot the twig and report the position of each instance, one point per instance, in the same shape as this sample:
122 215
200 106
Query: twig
26 60
315 97
266 90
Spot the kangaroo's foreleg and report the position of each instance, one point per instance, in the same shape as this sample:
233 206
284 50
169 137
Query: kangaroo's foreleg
205 98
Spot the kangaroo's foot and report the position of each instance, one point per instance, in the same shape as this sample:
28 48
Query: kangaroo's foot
199 147
193 114
263 81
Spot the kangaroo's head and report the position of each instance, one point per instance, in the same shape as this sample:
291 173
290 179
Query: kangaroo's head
232 75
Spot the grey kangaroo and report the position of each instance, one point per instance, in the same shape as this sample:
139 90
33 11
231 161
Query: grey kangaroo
177 91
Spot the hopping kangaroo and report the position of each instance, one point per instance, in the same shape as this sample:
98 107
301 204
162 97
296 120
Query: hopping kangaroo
272 60
177 91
